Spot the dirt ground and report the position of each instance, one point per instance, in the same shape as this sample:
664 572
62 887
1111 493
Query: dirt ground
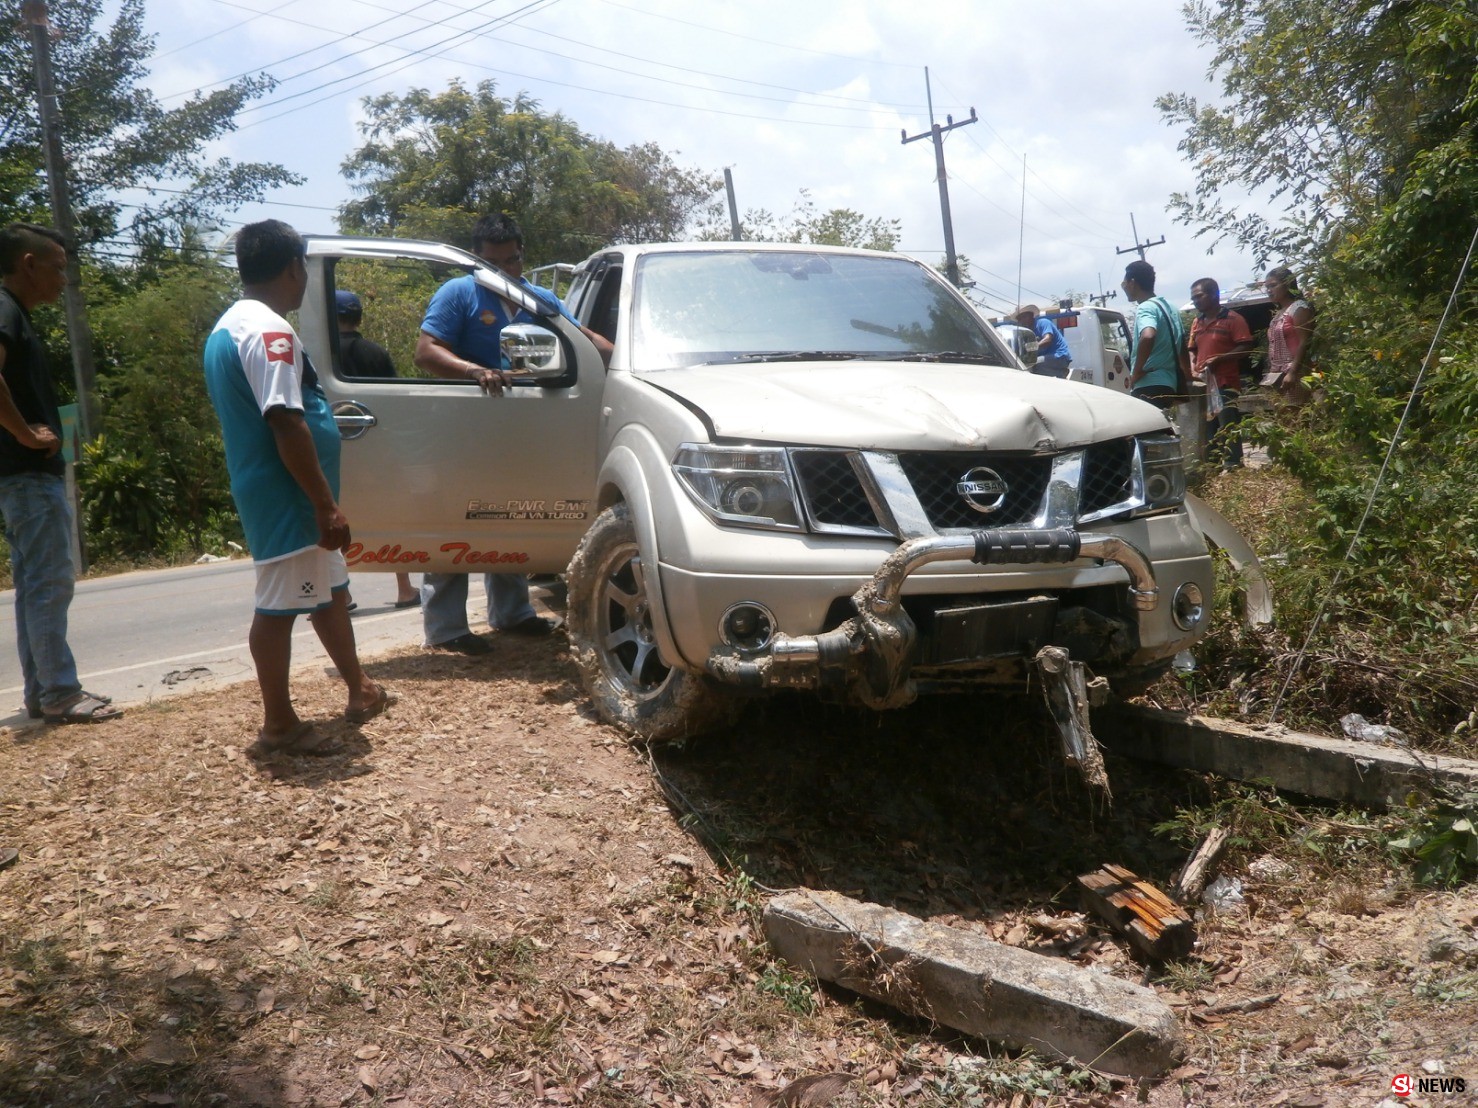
491 899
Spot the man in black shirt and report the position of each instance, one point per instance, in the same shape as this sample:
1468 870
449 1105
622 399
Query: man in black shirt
359 356
33 499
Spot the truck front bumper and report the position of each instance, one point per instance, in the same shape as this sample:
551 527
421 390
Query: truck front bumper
871 656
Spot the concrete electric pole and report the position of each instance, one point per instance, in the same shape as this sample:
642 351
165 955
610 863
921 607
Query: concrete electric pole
78 331
936 132
1138 247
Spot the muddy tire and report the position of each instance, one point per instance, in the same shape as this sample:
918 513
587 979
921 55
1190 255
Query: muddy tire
610 630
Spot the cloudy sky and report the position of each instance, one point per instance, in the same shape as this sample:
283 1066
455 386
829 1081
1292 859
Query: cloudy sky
789 94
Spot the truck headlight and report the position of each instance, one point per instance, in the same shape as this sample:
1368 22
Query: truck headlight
1162 473
744 485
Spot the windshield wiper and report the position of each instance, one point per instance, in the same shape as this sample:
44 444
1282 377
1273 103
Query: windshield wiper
793 356
943 356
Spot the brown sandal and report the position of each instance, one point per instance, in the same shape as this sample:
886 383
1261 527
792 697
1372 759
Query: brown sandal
304 739
383 699
82 708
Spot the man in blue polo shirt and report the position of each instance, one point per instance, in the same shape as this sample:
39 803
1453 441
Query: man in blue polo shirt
460 340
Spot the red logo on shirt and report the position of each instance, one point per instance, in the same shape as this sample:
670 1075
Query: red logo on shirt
279 346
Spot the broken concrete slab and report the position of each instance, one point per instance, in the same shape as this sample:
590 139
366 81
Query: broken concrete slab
983 988
1314 765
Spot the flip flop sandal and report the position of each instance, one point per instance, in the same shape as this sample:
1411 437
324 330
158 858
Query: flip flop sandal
35 712
383 700
413 602
304 739
82 708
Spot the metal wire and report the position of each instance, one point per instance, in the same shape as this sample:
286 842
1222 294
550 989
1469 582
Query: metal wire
1379 480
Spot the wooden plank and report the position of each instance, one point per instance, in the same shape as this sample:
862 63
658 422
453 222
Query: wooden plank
1155 926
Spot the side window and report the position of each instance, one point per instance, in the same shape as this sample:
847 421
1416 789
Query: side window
392 294
603 313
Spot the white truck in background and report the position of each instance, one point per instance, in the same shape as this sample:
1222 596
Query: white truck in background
1098 339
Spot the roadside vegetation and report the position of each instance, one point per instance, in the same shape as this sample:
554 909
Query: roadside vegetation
1355 124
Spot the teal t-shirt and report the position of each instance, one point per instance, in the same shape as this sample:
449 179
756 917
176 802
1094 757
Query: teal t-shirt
1161 368
254 362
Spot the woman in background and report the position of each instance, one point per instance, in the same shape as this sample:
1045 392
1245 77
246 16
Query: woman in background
1288 336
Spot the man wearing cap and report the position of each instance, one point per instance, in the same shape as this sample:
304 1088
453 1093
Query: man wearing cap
358 355
1053 355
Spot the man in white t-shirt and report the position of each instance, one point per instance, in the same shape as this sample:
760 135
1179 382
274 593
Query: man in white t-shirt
282 452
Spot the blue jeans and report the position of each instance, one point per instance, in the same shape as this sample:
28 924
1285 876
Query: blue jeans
444 603
38 527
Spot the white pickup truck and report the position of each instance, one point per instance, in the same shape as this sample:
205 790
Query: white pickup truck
804 468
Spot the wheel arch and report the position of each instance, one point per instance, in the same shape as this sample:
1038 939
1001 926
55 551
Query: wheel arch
623 480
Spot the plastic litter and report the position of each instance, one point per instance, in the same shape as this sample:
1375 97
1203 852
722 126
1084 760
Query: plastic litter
1362 730
1224 895
1184 662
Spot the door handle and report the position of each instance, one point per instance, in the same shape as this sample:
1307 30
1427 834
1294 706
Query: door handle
352 418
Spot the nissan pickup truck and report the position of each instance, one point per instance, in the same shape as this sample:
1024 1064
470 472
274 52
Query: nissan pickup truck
804 468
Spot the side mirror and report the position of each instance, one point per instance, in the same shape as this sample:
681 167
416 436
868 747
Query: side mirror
533 352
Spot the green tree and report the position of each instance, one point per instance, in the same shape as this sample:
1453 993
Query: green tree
804 224
155 482
432 163
1347 113
115 134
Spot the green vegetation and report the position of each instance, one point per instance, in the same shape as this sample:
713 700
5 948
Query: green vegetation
116 135
432 163
1354 126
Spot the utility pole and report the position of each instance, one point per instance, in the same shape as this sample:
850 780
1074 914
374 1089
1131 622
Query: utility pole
1101 298
78 331
1138 247
735 231
935 131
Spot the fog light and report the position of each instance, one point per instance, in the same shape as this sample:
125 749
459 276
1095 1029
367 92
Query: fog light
1188 608
747 627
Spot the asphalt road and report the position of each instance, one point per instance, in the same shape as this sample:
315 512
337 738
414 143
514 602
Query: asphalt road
144 635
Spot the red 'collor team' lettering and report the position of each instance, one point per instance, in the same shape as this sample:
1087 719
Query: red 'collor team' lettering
465 553
461 552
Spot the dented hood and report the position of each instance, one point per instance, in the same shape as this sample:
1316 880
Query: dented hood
904 406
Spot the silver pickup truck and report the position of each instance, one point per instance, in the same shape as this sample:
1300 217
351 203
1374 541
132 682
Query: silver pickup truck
805 468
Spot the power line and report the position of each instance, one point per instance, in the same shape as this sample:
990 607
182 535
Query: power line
583 88
1047 184
225 30
761 41
408 52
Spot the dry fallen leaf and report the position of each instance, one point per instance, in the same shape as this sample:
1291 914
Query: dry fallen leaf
369 1078
365 1053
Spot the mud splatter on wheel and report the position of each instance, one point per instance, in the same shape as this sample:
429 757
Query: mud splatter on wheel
611 638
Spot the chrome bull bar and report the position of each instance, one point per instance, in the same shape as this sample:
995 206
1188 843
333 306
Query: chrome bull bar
870 655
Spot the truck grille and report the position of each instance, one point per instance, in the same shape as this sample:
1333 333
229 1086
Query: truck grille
934 477
1108 469
834 495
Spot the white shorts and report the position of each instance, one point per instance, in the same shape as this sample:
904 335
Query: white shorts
300 583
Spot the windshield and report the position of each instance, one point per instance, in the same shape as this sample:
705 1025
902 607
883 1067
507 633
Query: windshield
740 306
